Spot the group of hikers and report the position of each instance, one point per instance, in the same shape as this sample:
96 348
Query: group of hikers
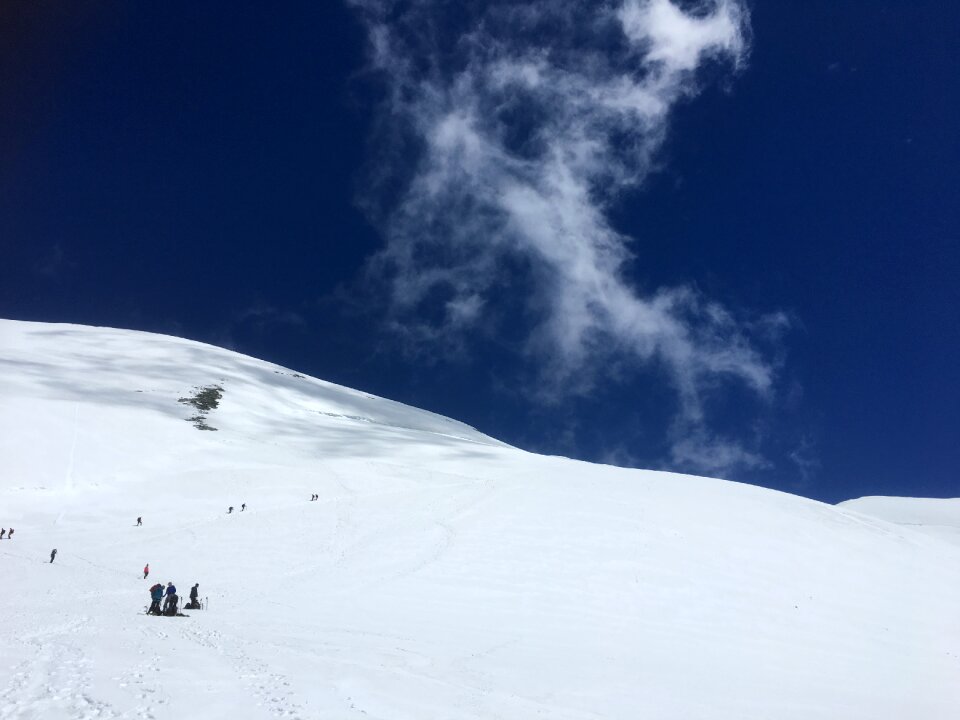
170 599
158 592
3 531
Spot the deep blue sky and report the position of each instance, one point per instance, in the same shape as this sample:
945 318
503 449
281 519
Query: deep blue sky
195 168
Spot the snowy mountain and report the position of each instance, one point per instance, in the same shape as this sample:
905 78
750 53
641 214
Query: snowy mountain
940 518
440 574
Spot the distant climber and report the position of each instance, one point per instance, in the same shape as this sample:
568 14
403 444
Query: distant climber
3 531
139 521
53 554
243 506
146 570
170 604
229 509
10 534
156 595
194 597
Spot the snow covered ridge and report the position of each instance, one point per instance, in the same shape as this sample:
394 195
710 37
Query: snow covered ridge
939 517
129 369
439 574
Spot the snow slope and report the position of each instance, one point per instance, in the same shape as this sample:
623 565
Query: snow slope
441 574
940 518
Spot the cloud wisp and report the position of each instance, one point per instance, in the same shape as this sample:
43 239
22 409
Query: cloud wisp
524 123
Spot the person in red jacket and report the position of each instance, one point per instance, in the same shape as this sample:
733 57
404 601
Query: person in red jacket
146 570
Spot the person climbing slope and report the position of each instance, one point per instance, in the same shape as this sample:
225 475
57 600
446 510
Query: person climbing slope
3 531
146 570
53 554
139 521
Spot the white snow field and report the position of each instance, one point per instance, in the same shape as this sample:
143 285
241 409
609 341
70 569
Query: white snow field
936 517
442 574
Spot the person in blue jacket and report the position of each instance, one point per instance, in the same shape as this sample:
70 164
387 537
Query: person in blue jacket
170 604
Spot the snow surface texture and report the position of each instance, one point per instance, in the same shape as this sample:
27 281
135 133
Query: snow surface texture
441 574
937 517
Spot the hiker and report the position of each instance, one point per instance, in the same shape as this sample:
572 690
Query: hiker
10 534
194 599
146 570
243 506
156 595
229 509
170 604
3 531
139 521
53 554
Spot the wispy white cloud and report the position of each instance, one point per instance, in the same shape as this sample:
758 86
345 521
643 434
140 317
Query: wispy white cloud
526 122
697 449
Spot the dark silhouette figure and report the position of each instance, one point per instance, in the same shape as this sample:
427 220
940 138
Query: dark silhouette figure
53 554
10 534
3 531
229 509
194 597
146 570
139 521
243 506
170 604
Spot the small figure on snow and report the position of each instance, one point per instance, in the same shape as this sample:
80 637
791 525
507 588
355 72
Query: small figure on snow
146 570
10 534
139 521
170 604
194 597
229 509
53 554
243 506
3 531
156 595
